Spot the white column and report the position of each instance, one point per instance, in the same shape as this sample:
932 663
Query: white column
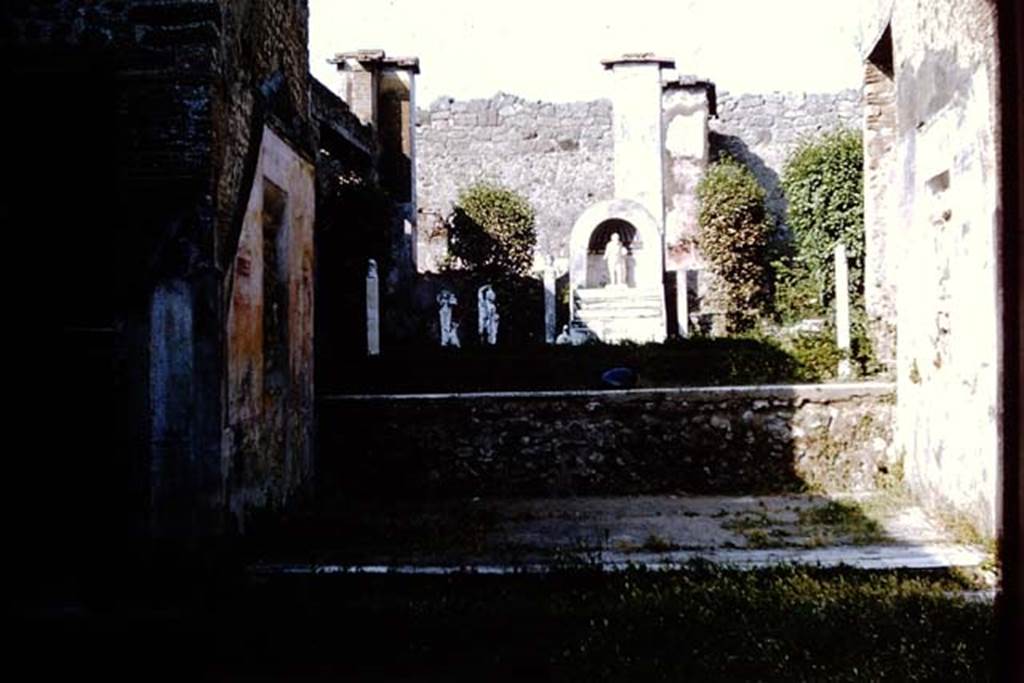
372 310
549 305
682 303
843 310
636 119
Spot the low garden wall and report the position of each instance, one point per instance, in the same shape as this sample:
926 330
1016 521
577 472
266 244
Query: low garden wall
754 439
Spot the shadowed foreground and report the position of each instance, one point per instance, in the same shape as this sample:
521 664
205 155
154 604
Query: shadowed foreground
700 622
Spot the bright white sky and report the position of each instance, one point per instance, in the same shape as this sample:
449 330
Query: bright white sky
551 49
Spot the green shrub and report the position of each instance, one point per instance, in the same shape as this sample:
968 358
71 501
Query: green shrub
823 183
735 234
491 229
816 354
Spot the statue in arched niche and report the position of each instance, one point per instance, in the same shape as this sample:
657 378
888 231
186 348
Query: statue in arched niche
615 257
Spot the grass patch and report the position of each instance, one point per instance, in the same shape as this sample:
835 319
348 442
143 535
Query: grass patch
747 521
842 515
698 623
843 520
774 538
832 523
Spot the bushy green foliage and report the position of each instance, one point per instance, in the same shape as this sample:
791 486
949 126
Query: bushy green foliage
735 234
492 230
823 183
816 354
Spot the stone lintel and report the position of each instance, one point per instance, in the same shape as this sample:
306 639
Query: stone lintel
639 58
374 60
691 82
688 81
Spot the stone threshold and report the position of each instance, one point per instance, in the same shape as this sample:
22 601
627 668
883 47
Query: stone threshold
804 392
873 557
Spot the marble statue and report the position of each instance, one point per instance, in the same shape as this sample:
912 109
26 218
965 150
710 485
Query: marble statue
575 335
487 315
449 328
615 258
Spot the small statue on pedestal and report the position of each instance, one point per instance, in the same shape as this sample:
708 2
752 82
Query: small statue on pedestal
449 328
615 257
488 316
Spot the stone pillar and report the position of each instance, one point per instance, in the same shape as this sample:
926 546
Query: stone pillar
372 310
687 104
682 303
843 310
637 129
358 82
550 302
172 380
382 92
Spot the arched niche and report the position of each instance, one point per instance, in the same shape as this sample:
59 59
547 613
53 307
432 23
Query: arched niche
638 231
597 267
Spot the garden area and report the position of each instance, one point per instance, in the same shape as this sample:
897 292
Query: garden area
769 316
682 362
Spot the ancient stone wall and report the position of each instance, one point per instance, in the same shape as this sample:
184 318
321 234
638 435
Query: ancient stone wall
136 77
880 202
694 440
560 155
264 64
944 238
186 89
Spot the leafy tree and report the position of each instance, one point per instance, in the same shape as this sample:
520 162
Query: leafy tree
492 229
735 233
824 186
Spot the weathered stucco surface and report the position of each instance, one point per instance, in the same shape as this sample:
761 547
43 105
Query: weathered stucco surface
637 134
685 113
268 438
738 440
944 236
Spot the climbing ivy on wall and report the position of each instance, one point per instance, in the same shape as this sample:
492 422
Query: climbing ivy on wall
823 181
735 233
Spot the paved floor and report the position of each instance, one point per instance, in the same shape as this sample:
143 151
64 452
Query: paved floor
867 531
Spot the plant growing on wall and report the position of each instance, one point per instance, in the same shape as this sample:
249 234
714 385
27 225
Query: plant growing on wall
735 234
492 229
824 187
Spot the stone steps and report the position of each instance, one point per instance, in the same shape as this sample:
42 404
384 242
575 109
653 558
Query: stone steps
622 314
617 298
